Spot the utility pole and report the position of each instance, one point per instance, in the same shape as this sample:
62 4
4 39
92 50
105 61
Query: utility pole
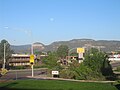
33 63
32 49
4 56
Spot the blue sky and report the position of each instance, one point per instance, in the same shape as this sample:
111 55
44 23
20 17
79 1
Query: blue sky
45 21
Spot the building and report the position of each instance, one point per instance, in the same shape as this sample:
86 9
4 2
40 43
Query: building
114 57
19 59
23 59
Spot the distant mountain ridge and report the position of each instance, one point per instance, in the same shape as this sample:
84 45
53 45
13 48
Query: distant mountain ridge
21 48
104 45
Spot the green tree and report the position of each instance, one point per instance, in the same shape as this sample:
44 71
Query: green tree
77 71
62 51
51 61
84 73
98 63
74 54
39 52
8 51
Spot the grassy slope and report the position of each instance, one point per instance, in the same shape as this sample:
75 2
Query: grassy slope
54 85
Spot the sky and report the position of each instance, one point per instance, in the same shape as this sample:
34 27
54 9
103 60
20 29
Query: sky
28 21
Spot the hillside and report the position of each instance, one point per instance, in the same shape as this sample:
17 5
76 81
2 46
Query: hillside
21 48
103 45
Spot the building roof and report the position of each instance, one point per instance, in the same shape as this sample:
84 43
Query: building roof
20 55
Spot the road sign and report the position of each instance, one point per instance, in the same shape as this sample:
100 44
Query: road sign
32 62
55 72
32 58
80 50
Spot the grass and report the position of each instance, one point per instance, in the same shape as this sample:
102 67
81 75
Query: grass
54 85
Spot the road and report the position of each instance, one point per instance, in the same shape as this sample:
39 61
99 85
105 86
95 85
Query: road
23 74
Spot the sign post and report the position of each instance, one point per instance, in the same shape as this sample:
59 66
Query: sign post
55 73
80 52
32 62
32 71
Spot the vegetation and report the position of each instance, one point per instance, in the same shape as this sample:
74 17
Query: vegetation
95 67
8 51
40 65
118 69
98 62
51 61
62 51
54 85
19 67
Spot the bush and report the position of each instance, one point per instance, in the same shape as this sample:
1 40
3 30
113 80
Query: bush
118 69
40 66
65 73
20 67
98 62
85 73
81 72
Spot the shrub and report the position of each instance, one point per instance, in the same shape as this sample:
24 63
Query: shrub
65 73
19 67
98 62
118 68
40 66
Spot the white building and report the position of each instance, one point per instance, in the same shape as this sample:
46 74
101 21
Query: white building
19 59
115 57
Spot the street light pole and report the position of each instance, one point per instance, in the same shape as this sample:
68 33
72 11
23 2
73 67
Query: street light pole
32 49
4 56
32 64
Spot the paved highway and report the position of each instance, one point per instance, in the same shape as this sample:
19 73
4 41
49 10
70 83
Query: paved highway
23 74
